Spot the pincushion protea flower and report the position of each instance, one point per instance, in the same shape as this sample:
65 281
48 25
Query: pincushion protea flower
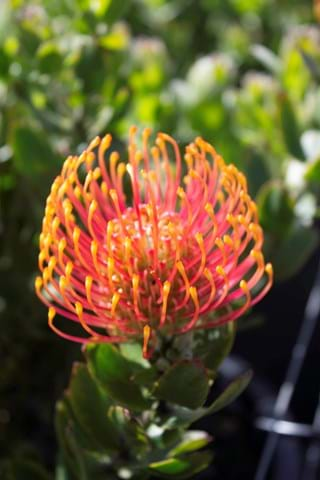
129 249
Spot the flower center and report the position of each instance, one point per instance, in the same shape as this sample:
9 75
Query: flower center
155 239
144 248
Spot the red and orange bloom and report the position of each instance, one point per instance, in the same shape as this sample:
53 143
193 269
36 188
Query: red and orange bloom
129 249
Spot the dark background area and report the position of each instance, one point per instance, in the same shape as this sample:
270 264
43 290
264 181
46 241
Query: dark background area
269 354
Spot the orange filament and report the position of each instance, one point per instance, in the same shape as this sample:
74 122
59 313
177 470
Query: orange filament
194 295
269 270
114 303
113 194
135 289
51 315
209 209
219 243
244 287
199 239
110 269
79 311
213 290
165 295
88 286
146 338
38 284
220 271
76 242
92 209
257 255
68 270
127 254
182 194
181 270
94 254
61 247
42 257
109 236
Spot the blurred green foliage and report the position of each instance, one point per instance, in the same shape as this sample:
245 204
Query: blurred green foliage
245 74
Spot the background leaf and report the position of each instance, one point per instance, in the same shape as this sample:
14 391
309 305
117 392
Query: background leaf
294 251
275 208
290 128
33 155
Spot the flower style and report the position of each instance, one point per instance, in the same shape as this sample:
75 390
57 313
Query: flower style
128 249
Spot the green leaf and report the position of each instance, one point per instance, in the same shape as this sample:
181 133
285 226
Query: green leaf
275 209
50 59
170 438
118 39
256 169
236 387
33 156
61 472
145 377
192 440
213 345
133 435
115 373
133 352
110 10
292 253
69 452
4 63
24 469
90 406
268 59
171 466
312 64
143 372
180 468
290 129
75 461
313 172
186 383
11 46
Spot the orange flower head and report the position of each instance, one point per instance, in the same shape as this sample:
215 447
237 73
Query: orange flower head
131 248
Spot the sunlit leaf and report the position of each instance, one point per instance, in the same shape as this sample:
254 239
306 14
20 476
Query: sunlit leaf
183 467
192 440
313 172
